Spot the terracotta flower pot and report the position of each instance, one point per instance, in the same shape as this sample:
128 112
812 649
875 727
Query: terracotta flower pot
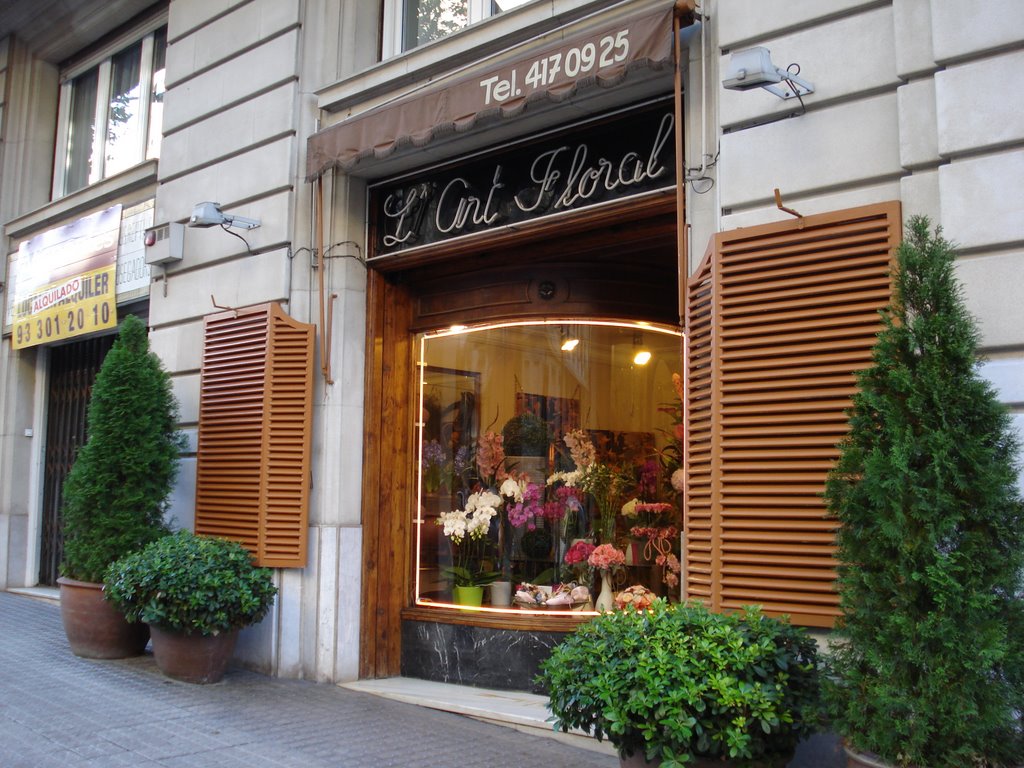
193 658
95 629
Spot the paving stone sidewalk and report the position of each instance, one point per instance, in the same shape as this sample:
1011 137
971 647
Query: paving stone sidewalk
59 711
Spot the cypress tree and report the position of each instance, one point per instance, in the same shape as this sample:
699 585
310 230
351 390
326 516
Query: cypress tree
927 662
115 495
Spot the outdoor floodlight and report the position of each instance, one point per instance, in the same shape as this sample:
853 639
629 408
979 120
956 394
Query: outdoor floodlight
753 68
210 215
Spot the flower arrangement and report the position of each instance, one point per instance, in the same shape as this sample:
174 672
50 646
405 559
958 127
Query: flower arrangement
606 557
603 482
490 459
577 558
433 464
467 528
659 546
637 597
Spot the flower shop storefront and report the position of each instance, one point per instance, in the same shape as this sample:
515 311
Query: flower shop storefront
524 399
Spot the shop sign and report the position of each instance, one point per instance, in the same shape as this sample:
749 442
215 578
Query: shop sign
600 164
64 282
133 273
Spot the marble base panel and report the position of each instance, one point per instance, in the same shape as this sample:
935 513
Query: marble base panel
480 656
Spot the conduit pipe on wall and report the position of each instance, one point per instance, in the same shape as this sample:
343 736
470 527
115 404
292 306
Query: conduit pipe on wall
682 8
325 330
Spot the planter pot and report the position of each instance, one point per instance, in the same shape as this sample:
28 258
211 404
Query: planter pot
193 658
468 595
501 593
855 759
638 760
95 629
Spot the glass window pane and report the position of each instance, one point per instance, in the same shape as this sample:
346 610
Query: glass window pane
81 129
156 94
427 20
497 405
124 129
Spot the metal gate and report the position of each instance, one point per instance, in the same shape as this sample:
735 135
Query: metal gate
73 369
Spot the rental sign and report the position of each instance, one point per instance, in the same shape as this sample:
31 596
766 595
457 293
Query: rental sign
64 281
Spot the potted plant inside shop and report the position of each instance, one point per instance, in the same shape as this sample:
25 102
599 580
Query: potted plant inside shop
928 667
195 593
115 496
467 530
678 684
525 435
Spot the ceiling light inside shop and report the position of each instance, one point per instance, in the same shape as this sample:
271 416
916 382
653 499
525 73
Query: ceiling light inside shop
641 355
569 340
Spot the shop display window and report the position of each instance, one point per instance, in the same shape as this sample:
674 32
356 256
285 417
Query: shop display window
549 460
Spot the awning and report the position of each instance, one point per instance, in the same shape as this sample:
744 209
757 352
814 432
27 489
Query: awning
603 58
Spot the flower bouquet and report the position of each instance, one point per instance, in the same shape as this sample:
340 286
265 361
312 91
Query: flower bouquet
467 529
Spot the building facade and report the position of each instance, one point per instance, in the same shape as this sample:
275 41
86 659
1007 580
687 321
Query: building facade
445 196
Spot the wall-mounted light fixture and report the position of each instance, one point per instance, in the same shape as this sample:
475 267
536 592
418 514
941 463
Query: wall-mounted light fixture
753 68
210 215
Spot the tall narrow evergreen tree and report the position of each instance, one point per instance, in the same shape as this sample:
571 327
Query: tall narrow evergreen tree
927 666
116 493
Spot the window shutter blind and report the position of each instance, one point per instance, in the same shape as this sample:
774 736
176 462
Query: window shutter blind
255 422
778 318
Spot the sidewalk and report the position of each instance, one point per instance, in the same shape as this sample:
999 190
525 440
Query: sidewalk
59 711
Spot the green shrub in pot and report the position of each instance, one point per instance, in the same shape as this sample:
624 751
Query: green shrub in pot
115 495
927 668
525 435
678 682
191 584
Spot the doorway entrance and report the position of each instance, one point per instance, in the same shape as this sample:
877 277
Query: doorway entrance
73 369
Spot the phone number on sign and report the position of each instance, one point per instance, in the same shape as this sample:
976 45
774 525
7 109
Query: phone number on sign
60 324
606 52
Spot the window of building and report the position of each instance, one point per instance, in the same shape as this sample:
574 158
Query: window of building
538 442
111 111
415 22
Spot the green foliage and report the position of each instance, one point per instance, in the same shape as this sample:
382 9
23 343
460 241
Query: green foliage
679 682
115 494
462 576
927 671
191 583
525 435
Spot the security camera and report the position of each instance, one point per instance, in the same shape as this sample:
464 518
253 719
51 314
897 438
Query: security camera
206 215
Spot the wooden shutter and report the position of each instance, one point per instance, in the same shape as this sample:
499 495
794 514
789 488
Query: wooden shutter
255 422
779 317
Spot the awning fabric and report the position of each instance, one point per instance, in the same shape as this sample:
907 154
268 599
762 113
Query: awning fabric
603 57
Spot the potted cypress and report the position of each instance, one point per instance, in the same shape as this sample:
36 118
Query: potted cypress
928 667
679 685
194 593
115 495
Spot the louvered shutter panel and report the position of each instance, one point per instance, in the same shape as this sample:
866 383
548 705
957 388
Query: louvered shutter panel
255 424
779 317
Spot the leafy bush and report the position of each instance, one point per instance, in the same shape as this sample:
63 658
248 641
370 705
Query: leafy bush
928 666
678 682
114 497
189 583
525 435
